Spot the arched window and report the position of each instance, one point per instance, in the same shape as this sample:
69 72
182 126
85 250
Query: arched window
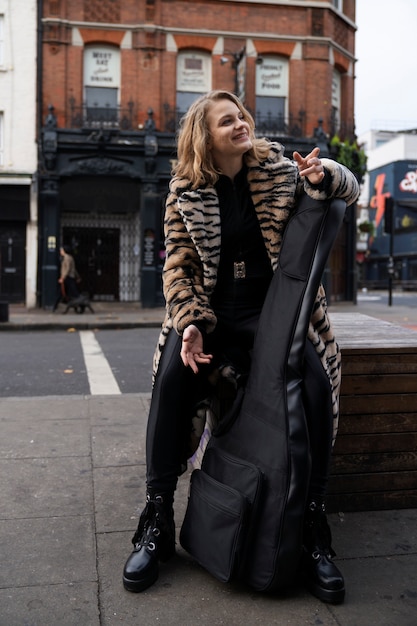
271 94
193 77
101 84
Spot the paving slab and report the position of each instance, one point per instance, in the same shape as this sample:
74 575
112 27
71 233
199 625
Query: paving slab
45 407
68 604
31 437
47 551
127 408
71 490
47 487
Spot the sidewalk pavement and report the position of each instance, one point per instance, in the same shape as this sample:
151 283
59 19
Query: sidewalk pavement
72 483
132 314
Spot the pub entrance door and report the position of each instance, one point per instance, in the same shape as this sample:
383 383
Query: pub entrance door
96 255
12 261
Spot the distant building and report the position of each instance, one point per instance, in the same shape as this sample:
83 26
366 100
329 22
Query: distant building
18 152
389 203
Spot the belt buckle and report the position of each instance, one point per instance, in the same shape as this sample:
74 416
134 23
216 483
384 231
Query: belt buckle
239 269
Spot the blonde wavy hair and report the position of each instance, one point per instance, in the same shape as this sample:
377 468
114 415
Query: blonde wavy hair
195 162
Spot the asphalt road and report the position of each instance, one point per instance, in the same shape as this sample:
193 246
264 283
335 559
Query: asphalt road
53 362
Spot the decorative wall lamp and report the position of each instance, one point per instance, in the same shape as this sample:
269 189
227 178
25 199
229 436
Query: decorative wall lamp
239 67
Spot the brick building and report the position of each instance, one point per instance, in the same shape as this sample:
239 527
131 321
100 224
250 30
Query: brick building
116 78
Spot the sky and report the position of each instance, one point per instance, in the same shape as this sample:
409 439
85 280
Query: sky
386 68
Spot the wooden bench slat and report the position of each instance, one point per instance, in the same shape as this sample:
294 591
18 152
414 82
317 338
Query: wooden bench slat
382 403
377 423
377 442
357 365
379 383
350 483
379 462
354 330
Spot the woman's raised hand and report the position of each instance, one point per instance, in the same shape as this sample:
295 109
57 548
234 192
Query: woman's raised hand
310 166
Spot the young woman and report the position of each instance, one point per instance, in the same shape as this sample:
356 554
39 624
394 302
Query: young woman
229 201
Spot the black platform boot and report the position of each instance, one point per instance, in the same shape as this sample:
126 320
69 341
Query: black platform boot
322 578
154 541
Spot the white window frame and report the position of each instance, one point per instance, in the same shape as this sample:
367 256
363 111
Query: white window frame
336 97
272 84
1 139
338 5
102 72
2 46
190 85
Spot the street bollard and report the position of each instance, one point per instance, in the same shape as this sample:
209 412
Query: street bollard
4 311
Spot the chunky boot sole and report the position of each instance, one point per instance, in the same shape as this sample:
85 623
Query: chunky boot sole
331 596
138 574
136 586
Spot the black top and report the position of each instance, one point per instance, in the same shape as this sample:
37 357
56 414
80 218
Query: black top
241 237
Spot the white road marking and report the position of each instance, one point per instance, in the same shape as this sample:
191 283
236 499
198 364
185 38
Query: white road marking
100 376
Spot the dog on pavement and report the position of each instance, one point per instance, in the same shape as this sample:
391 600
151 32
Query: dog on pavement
79 304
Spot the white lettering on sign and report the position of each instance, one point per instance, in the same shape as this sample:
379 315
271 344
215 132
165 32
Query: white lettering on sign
409 182
102 67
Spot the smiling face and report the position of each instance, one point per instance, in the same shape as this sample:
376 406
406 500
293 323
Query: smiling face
229 132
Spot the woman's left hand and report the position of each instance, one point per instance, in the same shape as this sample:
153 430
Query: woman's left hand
192 353
310 166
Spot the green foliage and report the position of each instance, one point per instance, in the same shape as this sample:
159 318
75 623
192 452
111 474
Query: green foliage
367 227
349 154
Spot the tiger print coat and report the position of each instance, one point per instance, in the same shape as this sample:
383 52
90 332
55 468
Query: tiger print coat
193 237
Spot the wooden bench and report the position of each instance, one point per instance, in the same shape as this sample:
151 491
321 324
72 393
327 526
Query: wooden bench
374 462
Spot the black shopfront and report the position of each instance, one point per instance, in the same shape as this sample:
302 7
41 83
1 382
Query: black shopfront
102 191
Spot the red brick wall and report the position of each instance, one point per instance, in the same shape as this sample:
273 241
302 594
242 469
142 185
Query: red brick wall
149 70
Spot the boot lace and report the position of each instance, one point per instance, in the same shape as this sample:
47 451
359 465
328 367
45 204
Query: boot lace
320 536
152 523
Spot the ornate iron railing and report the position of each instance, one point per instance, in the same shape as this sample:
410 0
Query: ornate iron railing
269 124
278 125
95 116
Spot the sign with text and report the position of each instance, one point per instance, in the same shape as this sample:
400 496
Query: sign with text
101 66
193 72
272 77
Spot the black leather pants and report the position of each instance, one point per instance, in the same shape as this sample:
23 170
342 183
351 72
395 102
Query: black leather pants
177 390
318 408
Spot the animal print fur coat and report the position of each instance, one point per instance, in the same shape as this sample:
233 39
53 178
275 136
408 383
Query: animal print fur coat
193 236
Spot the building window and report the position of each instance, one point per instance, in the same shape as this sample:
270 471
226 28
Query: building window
338 4
193 78
1 40
336 101
101 85
1 139
271 94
